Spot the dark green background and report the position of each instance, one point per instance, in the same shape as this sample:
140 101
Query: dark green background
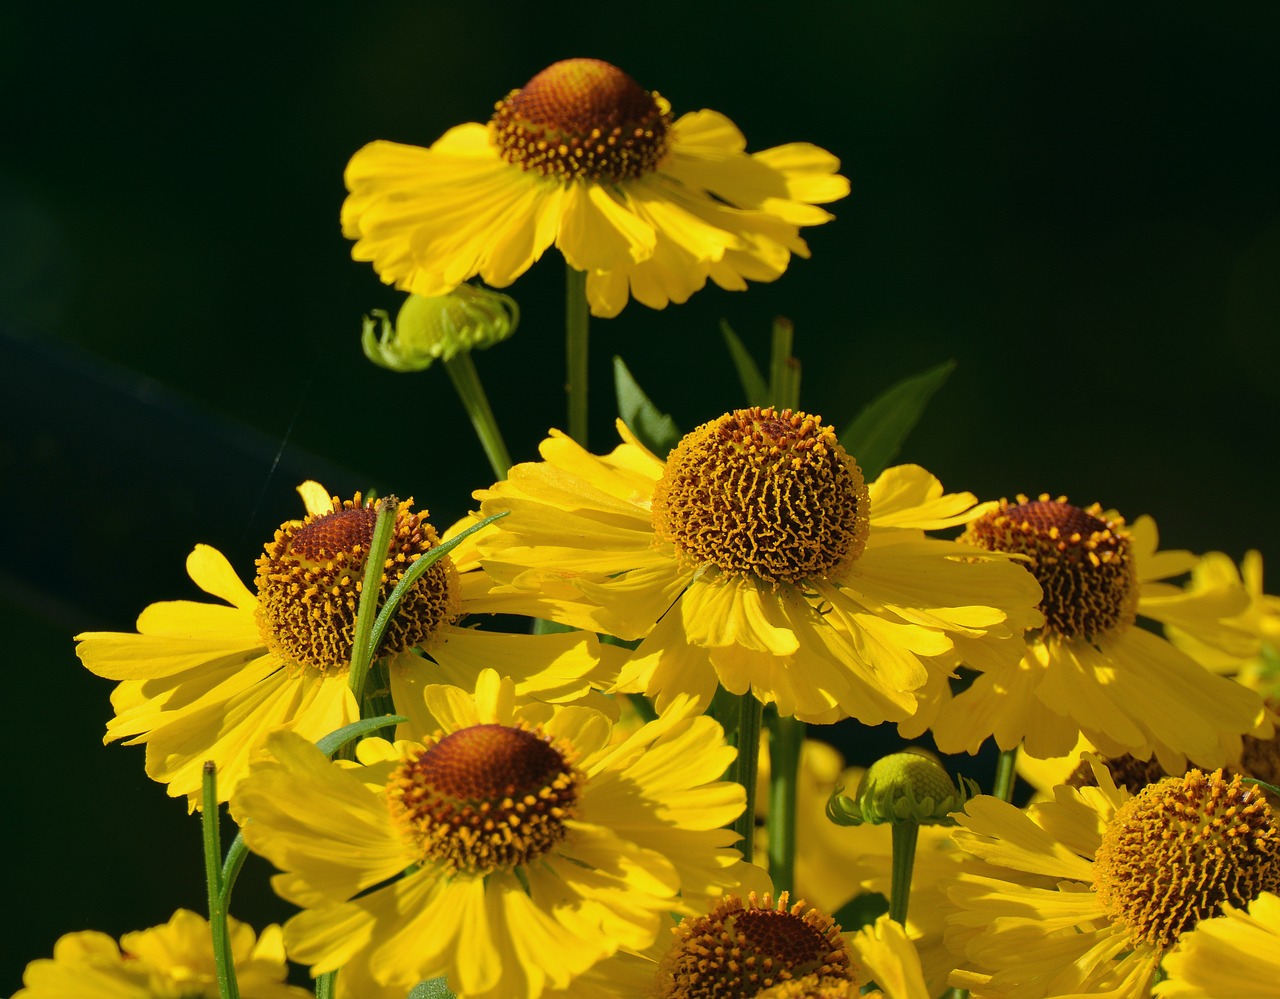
1078 202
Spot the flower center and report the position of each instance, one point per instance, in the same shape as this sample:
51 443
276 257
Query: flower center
1081 560
1176 852
764 494
311 575
1126 771
484 798
582 118
737 950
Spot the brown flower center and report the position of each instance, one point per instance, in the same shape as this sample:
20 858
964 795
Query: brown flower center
582 118
312 573
485 798
1126 771
764 494
1082 561
1173 854
737 951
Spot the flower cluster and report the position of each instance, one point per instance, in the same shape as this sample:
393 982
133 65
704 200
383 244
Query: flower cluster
517 758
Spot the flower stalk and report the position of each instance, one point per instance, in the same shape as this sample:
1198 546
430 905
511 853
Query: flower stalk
784 369
741 716
576 322
466 381
1006 774
786 739
905 836
218 890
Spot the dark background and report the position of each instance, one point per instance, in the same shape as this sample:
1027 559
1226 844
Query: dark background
1078 202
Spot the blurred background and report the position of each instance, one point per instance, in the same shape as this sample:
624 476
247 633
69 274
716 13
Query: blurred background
1077 202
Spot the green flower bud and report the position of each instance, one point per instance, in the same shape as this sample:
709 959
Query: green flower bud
430 329
899 788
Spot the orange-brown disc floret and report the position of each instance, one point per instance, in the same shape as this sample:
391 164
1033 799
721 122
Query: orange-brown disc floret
741 950
764 494
311 575
582 118
485 798
1082 561
1174 853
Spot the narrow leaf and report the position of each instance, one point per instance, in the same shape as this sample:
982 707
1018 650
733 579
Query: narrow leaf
753 383
876 436
411 575
860 911
335 740
657 431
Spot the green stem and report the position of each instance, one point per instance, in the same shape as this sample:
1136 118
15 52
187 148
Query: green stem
326 984
786 739
223 962
576 316
236 854
466 380
743 731
784 370
1006 774
375 564
905 835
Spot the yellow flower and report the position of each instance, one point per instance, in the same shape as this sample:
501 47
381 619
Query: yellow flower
755 556
1254 654
1232 956
173 961
1254 757
207 681
1085 894
758 947
581 157
778 950
1092 668
747 945
510 851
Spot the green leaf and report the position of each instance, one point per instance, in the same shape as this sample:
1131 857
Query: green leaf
861 910
657 431
876 436
335 740
753 383
434 988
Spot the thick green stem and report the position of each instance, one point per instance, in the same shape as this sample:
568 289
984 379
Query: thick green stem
576 315
362 647
1006 774
466 380
224 965
742 730
326 984
786 739
905 835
